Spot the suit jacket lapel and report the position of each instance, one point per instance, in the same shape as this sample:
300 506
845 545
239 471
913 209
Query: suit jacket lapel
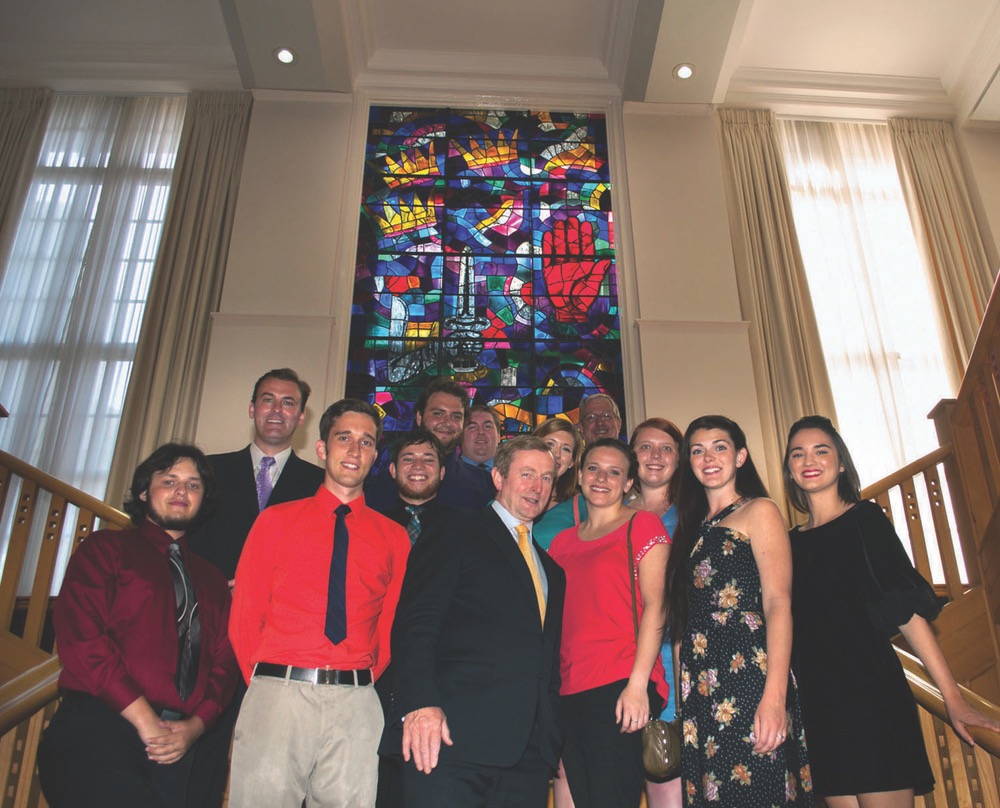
499 533
247 487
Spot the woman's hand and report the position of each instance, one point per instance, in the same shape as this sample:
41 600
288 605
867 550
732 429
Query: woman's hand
769 725
963 715
632 708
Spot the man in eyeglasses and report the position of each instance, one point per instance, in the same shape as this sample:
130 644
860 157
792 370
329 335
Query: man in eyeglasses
599 418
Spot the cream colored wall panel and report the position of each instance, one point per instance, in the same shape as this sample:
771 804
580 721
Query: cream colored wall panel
981 152
699 368
680 226
289 214
242 349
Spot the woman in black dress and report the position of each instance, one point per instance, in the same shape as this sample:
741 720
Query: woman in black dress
850 572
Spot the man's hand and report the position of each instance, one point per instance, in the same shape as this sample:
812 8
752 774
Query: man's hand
177 738
423 732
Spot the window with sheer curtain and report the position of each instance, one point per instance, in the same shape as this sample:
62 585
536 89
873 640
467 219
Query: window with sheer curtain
74 283
878 318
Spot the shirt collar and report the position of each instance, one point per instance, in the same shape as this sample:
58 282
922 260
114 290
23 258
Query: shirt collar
327 500
509 520
158 537
279 460
469 462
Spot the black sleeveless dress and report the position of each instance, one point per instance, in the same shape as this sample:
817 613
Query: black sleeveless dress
723 667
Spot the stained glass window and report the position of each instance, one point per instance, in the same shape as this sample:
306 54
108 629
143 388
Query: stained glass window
485 253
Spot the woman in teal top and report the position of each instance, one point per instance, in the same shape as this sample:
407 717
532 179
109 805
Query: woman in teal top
566 508
656 443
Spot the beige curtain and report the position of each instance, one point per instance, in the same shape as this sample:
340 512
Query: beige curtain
789 368
943 219
165 386
21 114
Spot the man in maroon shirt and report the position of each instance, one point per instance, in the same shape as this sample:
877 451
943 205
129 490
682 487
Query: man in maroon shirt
141 631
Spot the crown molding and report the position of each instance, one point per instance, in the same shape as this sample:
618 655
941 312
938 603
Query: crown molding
134 68
484 88
665 110
812 93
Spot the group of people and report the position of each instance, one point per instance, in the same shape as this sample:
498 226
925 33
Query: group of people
479 617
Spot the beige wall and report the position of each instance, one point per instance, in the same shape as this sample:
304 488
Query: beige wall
981 154
279 306
286 299
694 345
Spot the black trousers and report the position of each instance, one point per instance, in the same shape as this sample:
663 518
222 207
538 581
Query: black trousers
211 756
603 764
524 785
91 757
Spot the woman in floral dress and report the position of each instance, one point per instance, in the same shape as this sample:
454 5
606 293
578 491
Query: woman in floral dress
730 579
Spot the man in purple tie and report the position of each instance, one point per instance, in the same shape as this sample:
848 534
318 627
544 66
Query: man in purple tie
264 473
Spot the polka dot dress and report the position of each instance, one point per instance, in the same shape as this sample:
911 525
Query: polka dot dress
723 667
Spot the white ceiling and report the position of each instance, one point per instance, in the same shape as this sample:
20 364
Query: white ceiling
813 57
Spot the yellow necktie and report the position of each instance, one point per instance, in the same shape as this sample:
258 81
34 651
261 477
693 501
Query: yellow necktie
524 545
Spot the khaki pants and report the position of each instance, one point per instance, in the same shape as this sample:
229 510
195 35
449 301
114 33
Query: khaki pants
297 741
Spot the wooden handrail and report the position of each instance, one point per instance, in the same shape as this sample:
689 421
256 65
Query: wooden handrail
24 696
56 486
929 697
939 455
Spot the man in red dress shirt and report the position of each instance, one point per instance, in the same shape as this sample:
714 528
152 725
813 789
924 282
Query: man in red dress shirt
310 724
141 631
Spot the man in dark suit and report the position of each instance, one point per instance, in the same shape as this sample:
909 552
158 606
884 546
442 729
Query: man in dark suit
442 408
264 473
417 466
475 650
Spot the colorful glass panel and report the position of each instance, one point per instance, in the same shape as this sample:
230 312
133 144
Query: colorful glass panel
485 252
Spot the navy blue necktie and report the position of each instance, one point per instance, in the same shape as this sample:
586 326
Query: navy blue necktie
336 602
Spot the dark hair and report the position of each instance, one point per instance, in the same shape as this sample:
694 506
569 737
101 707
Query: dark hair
338 408
163 459
566 484
520 443
285 375
414 438
442 384
485 408
613 443
692 508
668 428
848 483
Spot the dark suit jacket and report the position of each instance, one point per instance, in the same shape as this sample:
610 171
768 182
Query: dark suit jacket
220 539
467 638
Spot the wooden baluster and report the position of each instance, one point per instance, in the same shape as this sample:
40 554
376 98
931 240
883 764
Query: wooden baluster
942 531
5 474
38 603
915 528
17 548
882 498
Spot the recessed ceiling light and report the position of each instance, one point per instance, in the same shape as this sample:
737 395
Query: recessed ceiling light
284 55
684 70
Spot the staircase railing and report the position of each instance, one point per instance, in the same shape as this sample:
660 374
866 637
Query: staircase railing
44 512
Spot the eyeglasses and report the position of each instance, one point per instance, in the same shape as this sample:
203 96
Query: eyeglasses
593 417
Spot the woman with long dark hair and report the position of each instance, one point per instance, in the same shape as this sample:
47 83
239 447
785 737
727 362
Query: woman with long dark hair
611 673
730 581
854 586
